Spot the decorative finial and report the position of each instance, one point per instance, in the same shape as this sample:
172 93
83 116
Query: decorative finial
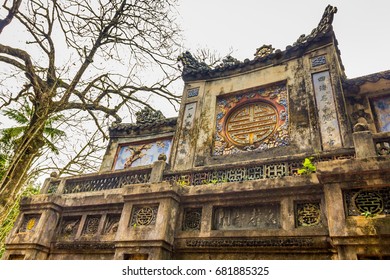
149 116
264 50
190 63
324 26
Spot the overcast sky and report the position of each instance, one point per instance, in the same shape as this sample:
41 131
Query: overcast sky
361 28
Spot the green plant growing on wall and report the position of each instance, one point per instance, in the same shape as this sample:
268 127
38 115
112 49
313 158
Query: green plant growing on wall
211 181
182 182
8 223
368 214
308 167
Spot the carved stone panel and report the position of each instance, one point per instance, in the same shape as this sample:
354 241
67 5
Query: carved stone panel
29 223
327 113
144 215
111 224
370 201
265 216
192 219
91 225
308 214
69 226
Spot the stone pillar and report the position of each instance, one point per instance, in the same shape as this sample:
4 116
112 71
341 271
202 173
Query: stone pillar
148 221
364 144
33 232
157 173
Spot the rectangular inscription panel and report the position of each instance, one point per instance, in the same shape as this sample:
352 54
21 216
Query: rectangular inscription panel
265 216
329 126
184 147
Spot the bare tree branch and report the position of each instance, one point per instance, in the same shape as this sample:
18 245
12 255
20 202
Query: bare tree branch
11 13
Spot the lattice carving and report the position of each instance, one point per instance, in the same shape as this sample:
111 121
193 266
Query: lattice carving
91 225
53 186
375 201
368 201
144 215
245 173
275 170
236 175
192 219
114 181
29 223
308 214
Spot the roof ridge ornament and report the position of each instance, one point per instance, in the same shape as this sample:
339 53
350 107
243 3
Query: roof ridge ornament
190 63
323 27
264 51
149 116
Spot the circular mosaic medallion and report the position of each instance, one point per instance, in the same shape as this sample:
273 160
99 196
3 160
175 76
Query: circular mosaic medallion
251 123
145 216
368 201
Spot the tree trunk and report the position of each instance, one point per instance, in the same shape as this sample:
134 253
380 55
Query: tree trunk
17 173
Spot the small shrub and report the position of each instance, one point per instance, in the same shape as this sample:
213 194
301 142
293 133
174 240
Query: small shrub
307 167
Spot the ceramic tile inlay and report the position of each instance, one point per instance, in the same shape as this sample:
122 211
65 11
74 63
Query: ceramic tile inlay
131 155
326 107
256 120
382 111
318 61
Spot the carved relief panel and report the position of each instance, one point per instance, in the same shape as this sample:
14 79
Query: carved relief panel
69 226
256 120
367 201
192 219
111 224
265 216
91 225
144 215
307 214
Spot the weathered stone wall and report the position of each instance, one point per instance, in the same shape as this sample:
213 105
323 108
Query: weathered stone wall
195 135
